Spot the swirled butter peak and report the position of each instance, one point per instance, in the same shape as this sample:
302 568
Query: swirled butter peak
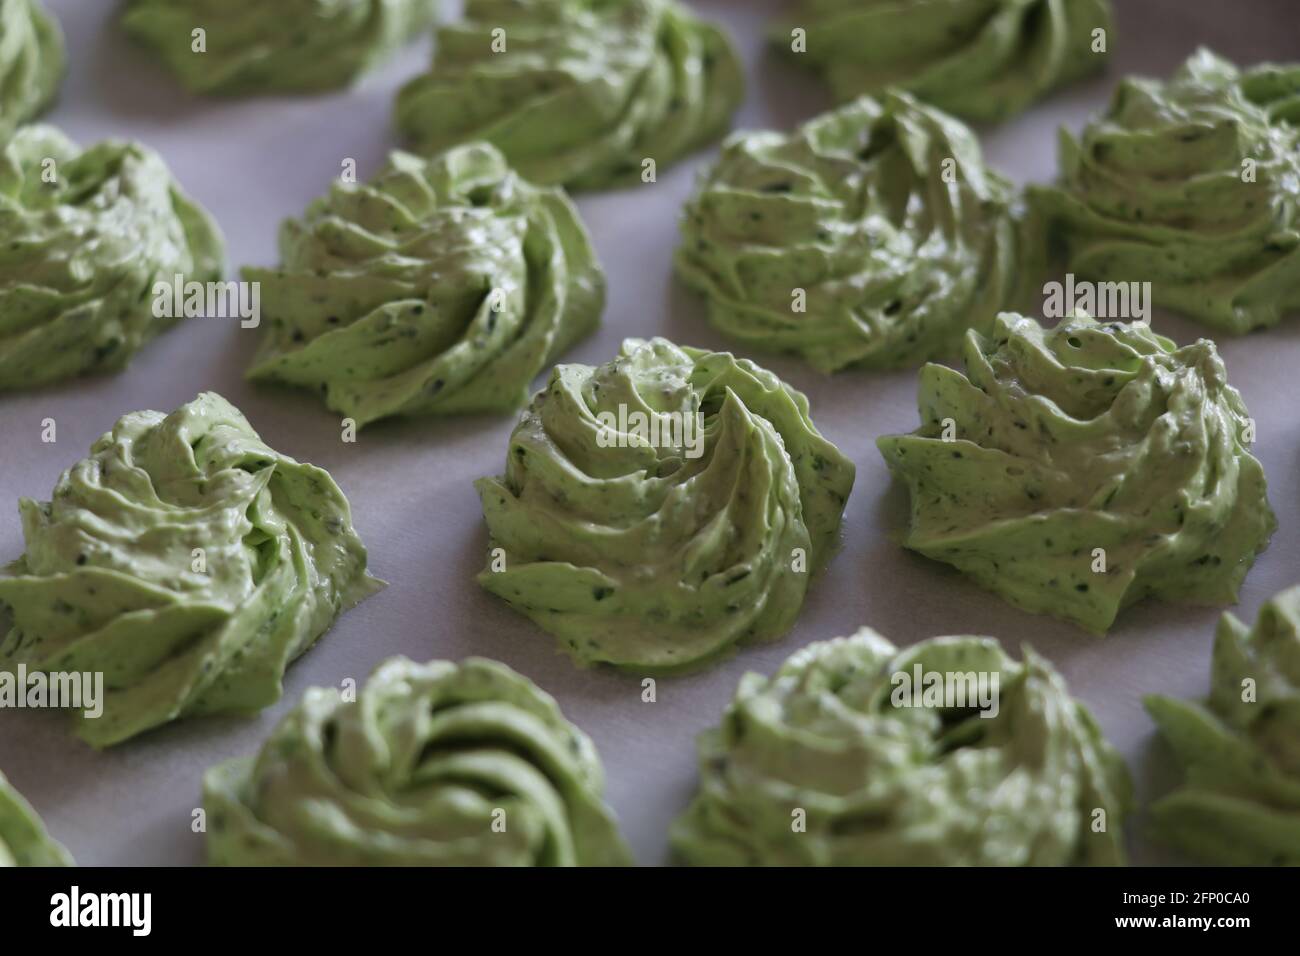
1240 803
874 235
1192 185
444 285
256 46
32 60
982 60
436 764
23 838
1077 469
87 233
578 92
184 560
663 552
836 761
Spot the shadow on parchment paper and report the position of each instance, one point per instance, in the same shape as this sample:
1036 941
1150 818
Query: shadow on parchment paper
159 838
687 324
35 768
129 80
1155 773
792 94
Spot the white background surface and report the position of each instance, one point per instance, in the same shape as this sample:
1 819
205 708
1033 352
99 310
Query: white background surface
254 162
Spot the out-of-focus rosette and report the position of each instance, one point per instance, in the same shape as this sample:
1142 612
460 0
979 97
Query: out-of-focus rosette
442 286
844 758
576 92
872 236
236 47
436 764
1193 185
1240 803
983 60
32 60
23 837
86 236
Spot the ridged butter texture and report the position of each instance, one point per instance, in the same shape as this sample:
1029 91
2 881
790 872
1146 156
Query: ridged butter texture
442 286
1074 470
576 92
1240 749
185 561
275 46
873 235
1193 185
87 235
983 60
818 766
435 764
640 555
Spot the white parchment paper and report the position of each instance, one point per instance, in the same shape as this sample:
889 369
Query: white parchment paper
254 162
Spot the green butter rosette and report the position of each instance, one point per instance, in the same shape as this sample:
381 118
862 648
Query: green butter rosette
823 765
184 560
23 838
1077 469
260 46
442 286
576 92
872 236
983 60
1240 803
1193 185
659 555
80 254
436 764
32 61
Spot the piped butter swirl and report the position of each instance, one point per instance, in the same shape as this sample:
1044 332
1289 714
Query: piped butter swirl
1074 470
436 764
663 546
1192 185
270 46
826 763
982 60
185 561
873 235
576 92
441 286
87 233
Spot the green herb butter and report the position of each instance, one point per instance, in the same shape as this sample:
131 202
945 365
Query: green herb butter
184 560
873 236
84 236
1240 804
1077 469
1192 185
660 554
234 47
23 839
578 92
979 59
436 764
443 285
32 61
825 764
